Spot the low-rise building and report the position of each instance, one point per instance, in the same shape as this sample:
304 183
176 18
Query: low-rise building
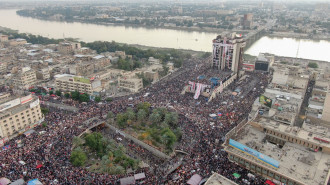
3 67
281 153
18 114
16 42
75 83
3 38
217 179
131 84
24 78
68 47
43 74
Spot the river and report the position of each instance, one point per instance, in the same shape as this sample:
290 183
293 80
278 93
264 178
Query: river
165 38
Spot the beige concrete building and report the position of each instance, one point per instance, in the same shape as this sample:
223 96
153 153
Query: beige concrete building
16 42
43 74
131 84
24 78
281 153
68 47
17 115
3 67
83 85
217 179
3 38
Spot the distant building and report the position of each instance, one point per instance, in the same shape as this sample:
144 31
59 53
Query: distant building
18 114
247 21
281 153
24 78
68 47
16 42
75 83
131 84
43 74
3 67
264 62
217 179
228 52
3 38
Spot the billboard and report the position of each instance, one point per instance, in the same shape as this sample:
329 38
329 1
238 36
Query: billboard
26 99
254 153
9 104
265 101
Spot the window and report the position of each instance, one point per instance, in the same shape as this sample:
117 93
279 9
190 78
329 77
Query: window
277 177
271 174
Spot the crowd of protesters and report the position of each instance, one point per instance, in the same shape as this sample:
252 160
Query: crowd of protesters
46 156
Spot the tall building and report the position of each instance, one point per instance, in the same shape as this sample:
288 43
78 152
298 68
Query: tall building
17 115
228 52
247 21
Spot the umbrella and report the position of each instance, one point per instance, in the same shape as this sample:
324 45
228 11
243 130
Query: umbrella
39 165
4 181
236 175
34 182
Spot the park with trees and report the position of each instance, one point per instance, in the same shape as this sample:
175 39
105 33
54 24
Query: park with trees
100 154
158 127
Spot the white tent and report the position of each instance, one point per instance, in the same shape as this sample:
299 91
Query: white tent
139 176
194 180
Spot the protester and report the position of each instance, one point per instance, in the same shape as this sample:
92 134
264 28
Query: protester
200 139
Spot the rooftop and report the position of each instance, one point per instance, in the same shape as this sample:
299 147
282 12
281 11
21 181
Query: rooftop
217 179
295 161
306 133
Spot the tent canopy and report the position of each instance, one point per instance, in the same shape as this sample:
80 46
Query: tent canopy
236 175
127 180
29 132
139 176
4 181
18 182
194 180
34 182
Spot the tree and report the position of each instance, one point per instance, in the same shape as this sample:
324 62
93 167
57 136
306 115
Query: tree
58 93
313 65
110 115
51 92
84 97
121 120
145 106
44 110
75 95
95 142
77 141
171 119
155 118
168 138
97 99
141 115
130 114
78 157
67 95
108 99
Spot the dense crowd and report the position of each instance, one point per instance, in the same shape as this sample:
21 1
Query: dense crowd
202 135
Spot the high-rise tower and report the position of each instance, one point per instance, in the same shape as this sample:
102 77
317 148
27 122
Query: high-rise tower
228 52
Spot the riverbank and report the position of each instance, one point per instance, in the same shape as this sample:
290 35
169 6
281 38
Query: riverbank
298 36
181 28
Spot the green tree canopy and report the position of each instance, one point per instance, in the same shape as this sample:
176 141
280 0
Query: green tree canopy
78 157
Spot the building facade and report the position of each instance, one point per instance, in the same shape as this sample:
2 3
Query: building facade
25 78
71 84
228 52
18 115
131 84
